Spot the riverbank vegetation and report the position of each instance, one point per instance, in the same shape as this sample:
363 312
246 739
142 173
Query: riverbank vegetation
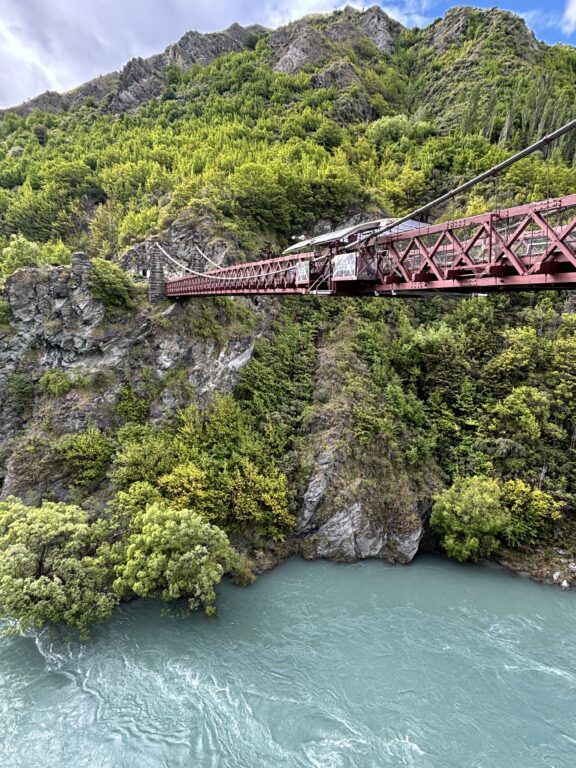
61 567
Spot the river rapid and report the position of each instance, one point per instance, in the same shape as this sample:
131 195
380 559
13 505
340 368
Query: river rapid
434 665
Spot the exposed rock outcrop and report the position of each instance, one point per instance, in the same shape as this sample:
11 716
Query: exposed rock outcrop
338 74
463 23
314 40
349 512
357 502
57 323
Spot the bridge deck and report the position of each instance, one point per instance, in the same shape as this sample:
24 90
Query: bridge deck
526 247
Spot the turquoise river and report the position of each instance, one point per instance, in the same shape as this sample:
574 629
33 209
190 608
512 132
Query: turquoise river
434 665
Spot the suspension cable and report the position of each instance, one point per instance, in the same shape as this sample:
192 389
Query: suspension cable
208 259
176 263
467 185
212 276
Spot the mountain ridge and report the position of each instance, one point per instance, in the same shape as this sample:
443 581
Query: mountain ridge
193 47
311 40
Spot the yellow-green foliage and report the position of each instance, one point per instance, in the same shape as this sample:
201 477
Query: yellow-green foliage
50 567
57 566
21 253
21 389
88 455
531 513
57 382
185 486
217 465
469 517
175 554
111 285
477 514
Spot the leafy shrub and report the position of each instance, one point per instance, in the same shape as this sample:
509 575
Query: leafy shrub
145 455
477 514
55 253
111 285
21 389
5 312
175 554
50 568
19 253
256 502
132 407
185 487
531 512
56 383
88 455
469 516
127 504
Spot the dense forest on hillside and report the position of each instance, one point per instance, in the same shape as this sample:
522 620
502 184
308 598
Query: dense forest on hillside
470 402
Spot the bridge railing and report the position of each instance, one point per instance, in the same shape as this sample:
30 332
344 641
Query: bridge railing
526 246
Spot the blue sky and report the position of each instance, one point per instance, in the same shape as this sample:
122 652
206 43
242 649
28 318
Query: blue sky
57 44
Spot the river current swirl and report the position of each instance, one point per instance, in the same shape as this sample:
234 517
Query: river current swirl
434 665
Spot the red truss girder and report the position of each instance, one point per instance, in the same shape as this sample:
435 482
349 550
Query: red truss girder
529 246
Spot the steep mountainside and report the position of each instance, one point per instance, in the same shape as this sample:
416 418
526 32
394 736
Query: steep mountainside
142 79
341 429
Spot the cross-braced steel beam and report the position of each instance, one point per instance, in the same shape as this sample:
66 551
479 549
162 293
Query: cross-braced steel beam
527 247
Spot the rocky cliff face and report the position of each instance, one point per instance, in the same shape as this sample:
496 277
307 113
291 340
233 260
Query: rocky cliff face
58 324
452 54
356 502
461 24
350 506
317 39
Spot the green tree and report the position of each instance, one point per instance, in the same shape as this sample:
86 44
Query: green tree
185 487
112 285
18 254
88 455
56 383
145 455
175 554
50 568
469 516
531 513
256 502
124 507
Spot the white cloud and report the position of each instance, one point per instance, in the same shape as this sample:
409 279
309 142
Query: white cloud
411 13
541 20
569 18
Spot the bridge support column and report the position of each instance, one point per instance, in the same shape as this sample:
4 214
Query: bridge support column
157 282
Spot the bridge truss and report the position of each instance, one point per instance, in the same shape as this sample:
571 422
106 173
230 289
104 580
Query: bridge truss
526 247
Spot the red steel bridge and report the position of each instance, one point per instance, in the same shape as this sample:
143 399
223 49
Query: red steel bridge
527 247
